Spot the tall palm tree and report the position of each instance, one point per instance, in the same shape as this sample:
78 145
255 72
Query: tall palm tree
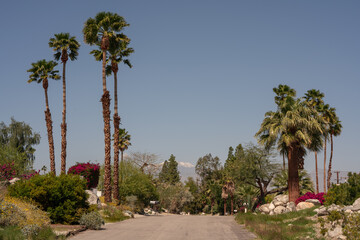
231 190
292 125
97 31
65 47
40 72
334 130
314 98
124 143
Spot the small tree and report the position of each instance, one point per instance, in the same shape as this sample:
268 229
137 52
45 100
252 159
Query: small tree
169 172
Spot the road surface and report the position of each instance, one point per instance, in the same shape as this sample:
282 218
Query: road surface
170 227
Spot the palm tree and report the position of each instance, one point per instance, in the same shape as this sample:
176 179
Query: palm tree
334 130
65 47
305 183
292 126
314 98
231 191
124 143
224 196
40 72
97 31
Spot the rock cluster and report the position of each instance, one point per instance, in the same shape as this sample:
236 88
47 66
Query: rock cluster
354 208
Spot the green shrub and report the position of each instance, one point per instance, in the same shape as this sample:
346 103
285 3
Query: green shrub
11 233
92 220
63 197
344 193
352 226
112 214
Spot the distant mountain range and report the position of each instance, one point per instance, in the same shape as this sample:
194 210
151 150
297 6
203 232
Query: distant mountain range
186 170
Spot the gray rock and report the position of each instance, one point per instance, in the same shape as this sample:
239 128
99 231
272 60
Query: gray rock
282 198
264 208
314 201
278 203
271 206
322 212
304 205
279 209
336 232
355 208
291 206
271 213
128 213
357 202
93 198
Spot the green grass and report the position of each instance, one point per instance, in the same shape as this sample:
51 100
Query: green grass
288 226
14 233
112 214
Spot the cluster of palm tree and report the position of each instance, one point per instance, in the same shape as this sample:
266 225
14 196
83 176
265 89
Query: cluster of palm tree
104 31
297 126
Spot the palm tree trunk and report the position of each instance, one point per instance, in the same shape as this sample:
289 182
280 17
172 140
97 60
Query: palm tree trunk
293 173
330 161
49 131
284 162
116 141
317 173
325 166
232 204
121 167
105 99
225 206
63 125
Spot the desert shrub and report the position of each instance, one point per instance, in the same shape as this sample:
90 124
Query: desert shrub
63 197
310 195
20 213
92 220
112 214
11 233
352 226
344 193
89 171
7 171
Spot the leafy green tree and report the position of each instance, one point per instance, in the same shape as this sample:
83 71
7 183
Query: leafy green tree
292 126
208 168
40 72
169 172
281 181
16 144
194 206
98 31
174 196
65 47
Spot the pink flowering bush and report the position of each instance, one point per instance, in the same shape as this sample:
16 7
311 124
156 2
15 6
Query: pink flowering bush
7 171
89 171
310 195
29 175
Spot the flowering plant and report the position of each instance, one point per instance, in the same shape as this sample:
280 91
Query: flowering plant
89 171
7 171
29 175
310 195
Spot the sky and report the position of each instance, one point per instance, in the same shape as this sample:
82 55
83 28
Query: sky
202 76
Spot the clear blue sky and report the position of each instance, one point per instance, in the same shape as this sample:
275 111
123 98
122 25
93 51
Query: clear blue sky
203 72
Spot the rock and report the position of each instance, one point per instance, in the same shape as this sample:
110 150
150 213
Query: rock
355 208
279 209
271 213
282 198
314 201
357 202
291 206
128 214
264 208
336 232
322 212
93 198
278 203
304 205
348 211
14 180
272 206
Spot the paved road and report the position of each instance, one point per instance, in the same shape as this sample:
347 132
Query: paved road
171 227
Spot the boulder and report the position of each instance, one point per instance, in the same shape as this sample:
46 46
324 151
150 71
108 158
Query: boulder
14 180
304 205
128 214
271 213
264 208
278 203
314 201
279 209
282 198
355 208
93 198
357 202
337 231
291 206
271 206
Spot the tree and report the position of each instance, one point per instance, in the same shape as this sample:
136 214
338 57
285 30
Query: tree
65 46
314 98
292 126
208 168
334 130
40 72
147 162
97 31
16 144
174 196
123 142
281 181
169 172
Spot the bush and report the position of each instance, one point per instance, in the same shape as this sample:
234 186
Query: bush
89 171
352 226
344 193
7 171
63 197
310 195
113 214
92 220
